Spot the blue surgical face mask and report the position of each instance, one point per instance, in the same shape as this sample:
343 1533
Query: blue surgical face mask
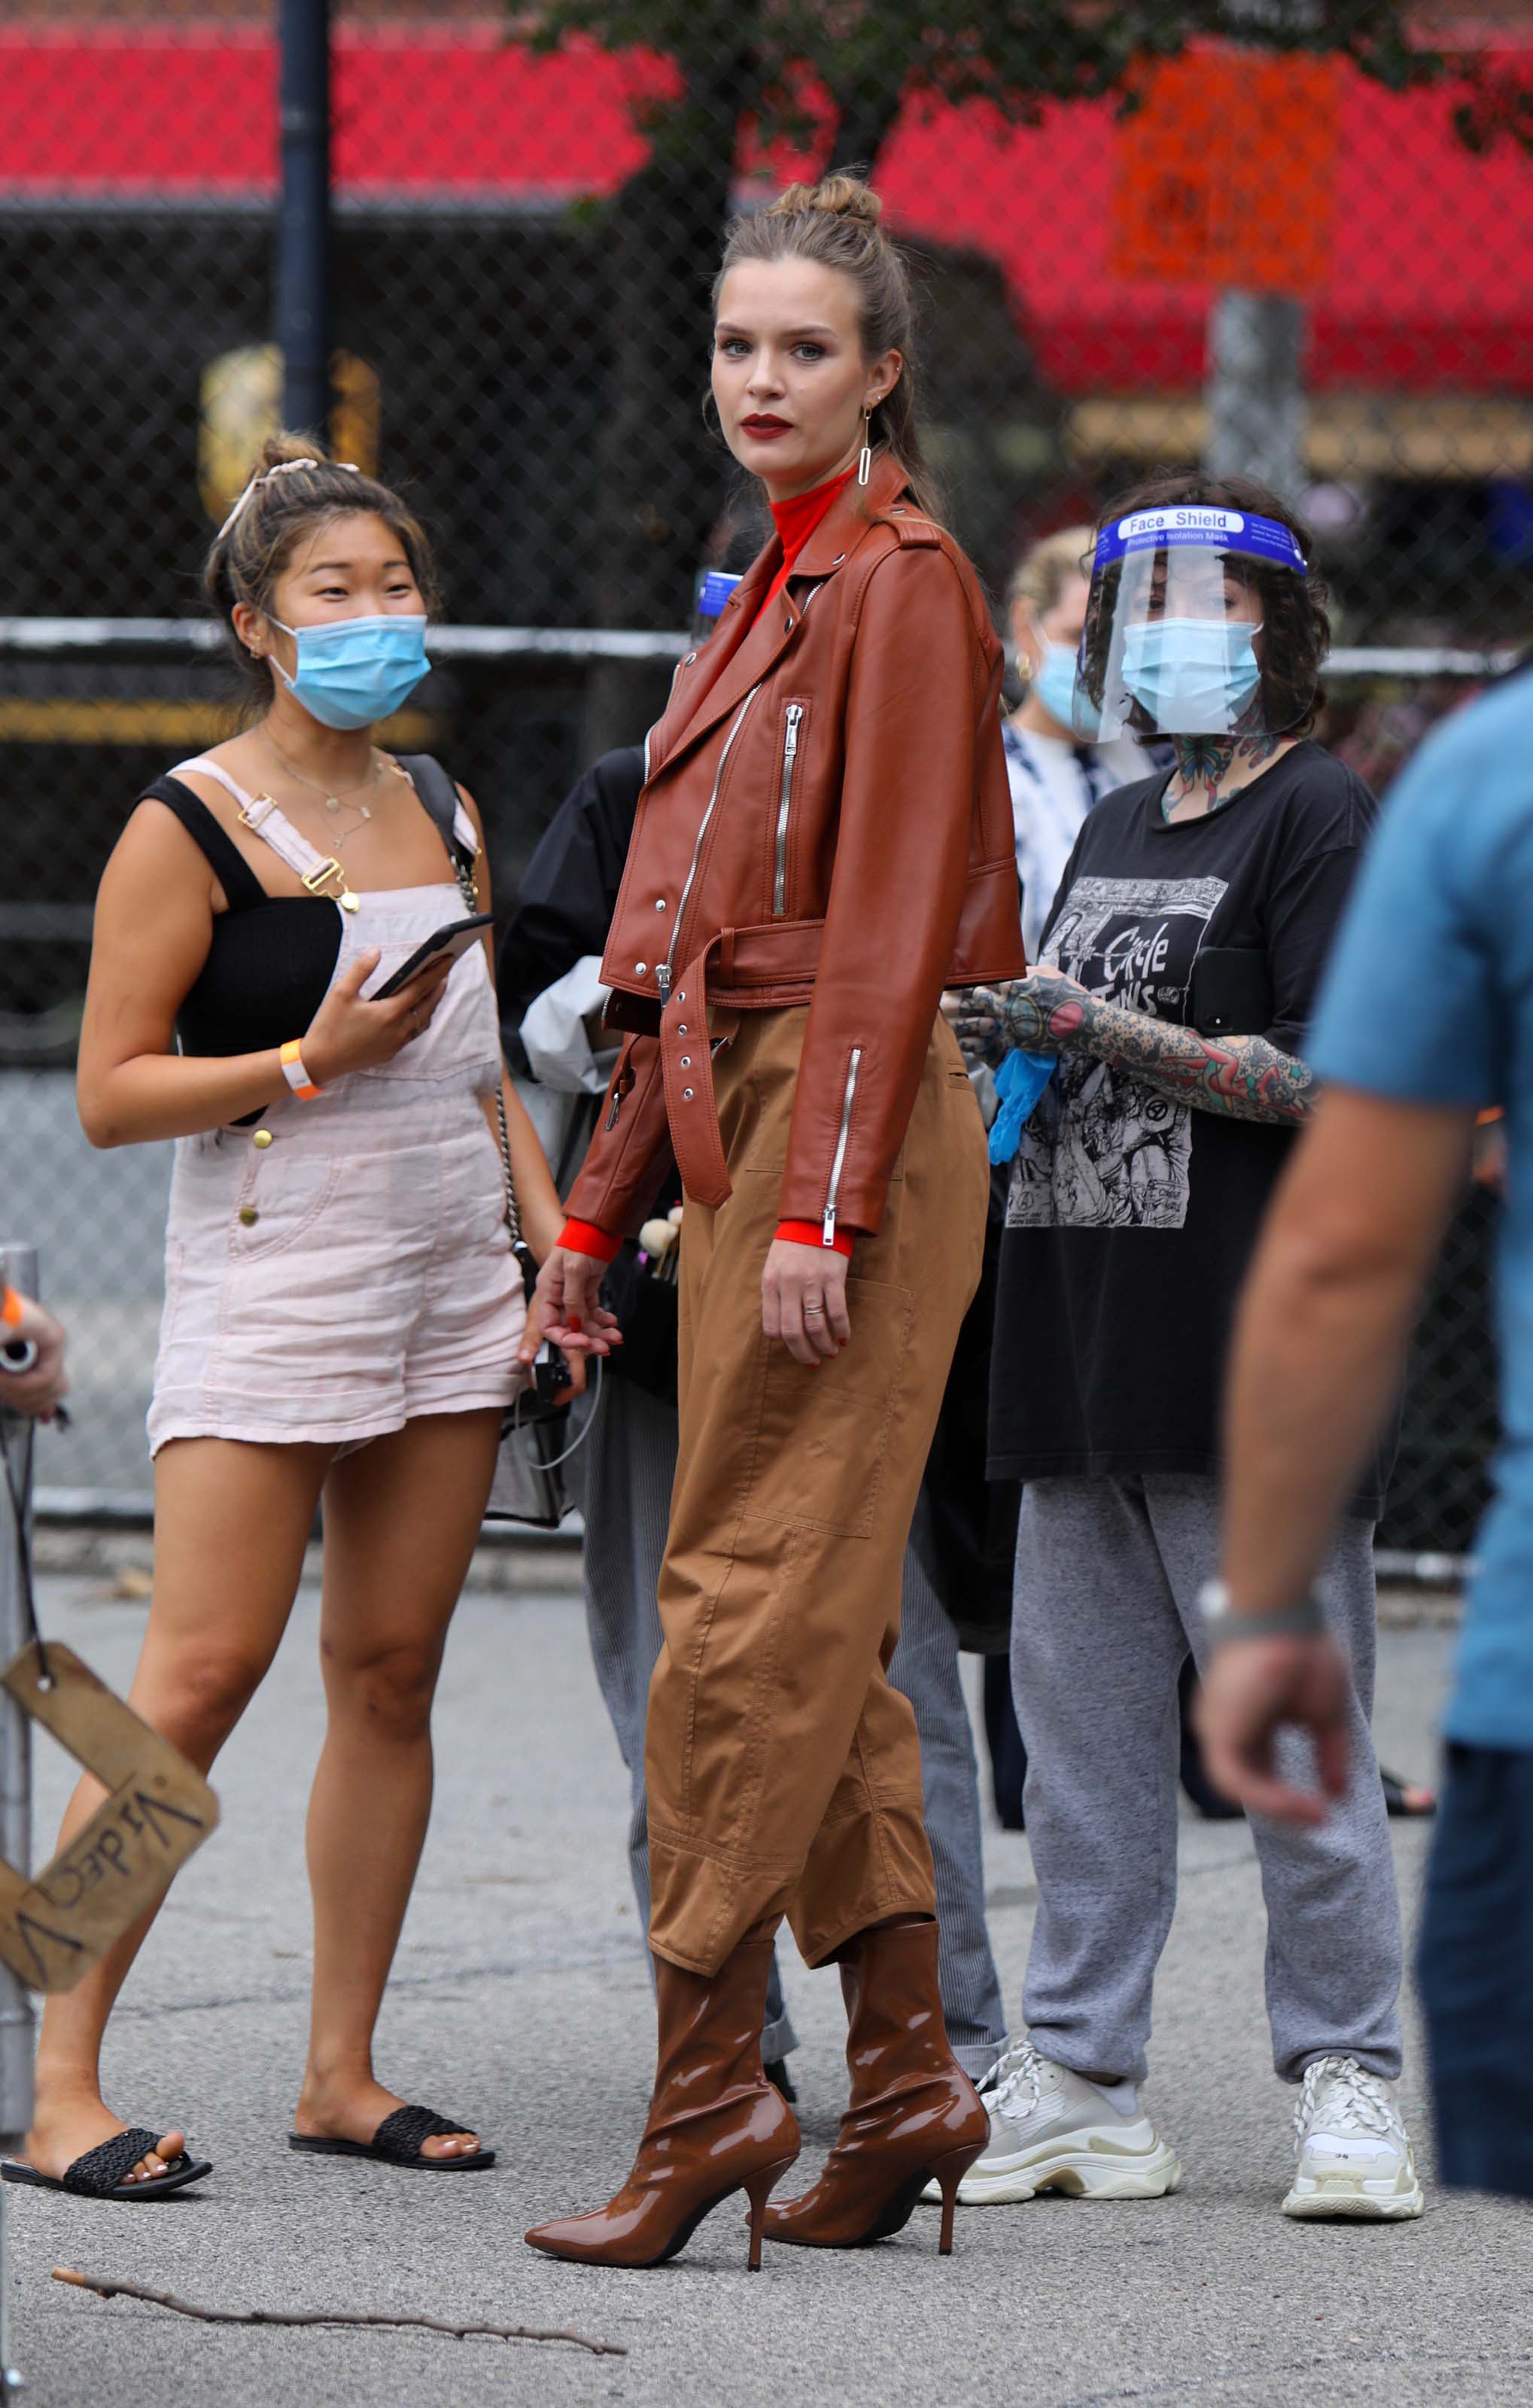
1058 690
1194 677
353 671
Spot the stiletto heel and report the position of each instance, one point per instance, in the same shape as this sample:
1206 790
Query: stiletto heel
716 2125
758 2190
913 2116
947 2172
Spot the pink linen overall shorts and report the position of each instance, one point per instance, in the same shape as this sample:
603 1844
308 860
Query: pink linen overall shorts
354 1271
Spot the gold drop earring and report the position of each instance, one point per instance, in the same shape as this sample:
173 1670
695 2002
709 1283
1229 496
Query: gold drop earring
864 457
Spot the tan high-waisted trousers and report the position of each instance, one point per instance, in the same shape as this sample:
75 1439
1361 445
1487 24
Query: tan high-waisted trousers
782 1770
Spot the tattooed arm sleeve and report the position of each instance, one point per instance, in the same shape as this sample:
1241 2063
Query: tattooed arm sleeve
1245 1078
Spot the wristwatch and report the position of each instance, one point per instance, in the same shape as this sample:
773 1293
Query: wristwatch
1302 1620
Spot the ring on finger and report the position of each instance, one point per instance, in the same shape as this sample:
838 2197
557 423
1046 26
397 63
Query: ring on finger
814 1310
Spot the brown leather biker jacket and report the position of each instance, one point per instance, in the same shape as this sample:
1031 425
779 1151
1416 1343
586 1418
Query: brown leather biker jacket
825 821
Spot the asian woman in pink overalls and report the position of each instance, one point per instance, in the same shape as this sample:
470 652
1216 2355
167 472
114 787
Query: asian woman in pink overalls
342 1307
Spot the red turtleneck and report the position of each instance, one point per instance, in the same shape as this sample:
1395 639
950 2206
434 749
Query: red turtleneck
796 520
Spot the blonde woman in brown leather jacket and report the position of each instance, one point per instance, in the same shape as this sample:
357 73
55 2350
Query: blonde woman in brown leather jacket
823 843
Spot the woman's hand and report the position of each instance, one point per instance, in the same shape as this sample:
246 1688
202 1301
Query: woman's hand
802 1300
566 1307
533 1338
348 1033
1040 1013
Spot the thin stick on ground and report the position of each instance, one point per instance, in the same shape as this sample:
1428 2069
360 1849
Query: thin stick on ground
112 2288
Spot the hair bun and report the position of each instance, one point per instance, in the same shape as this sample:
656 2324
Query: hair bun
283 449
839 195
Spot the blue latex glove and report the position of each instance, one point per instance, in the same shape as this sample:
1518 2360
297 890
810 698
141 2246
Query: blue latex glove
1018 1082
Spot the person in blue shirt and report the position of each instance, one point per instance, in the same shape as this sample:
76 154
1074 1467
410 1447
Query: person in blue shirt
1427 1016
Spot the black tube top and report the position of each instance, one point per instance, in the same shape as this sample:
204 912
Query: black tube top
271 959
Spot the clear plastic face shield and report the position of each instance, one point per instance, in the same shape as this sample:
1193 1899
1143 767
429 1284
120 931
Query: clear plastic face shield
1184 606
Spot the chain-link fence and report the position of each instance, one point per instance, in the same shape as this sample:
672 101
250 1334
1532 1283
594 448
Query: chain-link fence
1314 263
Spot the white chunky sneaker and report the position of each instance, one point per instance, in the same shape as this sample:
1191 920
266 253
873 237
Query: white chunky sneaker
1051 2130
1354 2151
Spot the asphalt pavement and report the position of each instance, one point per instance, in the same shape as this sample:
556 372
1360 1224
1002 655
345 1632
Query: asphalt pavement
522 2002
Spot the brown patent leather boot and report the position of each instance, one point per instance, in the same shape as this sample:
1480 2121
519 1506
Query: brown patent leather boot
716 2123
914 2115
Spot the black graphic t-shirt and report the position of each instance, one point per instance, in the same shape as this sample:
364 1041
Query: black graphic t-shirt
1131 1219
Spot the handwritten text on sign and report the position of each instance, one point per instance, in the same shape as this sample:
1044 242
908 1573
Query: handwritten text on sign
157 1810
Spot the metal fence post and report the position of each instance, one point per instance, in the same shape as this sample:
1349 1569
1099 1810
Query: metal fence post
303 227
18 1270
1255 385
1256 406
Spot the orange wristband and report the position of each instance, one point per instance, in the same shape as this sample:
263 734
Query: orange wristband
10 1308
297 1076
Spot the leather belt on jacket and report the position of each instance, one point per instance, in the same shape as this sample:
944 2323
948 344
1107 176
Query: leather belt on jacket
766 969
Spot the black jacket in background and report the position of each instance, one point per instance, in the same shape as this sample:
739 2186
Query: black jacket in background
569 889
563 912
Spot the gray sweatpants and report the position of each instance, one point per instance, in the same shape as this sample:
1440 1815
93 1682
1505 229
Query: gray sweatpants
630 1461
1108 1575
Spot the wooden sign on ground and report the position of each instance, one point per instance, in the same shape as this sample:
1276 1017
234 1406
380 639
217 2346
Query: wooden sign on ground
158 1809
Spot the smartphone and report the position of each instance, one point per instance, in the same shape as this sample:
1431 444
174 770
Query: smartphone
453 941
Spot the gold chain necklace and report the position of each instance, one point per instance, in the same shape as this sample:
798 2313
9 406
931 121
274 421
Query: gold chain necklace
333 800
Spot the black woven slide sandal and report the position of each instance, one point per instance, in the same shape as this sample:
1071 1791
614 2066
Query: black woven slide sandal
100 2173
397 2143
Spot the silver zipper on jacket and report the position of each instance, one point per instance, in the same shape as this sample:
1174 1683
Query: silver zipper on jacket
663 970
622 1085
790 753
827 1232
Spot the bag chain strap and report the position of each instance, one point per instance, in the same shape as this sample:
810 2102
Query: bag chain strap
467 876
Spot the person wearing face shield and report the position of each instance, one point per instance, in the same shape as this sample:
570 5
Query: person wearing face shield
1061 761
1172 990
